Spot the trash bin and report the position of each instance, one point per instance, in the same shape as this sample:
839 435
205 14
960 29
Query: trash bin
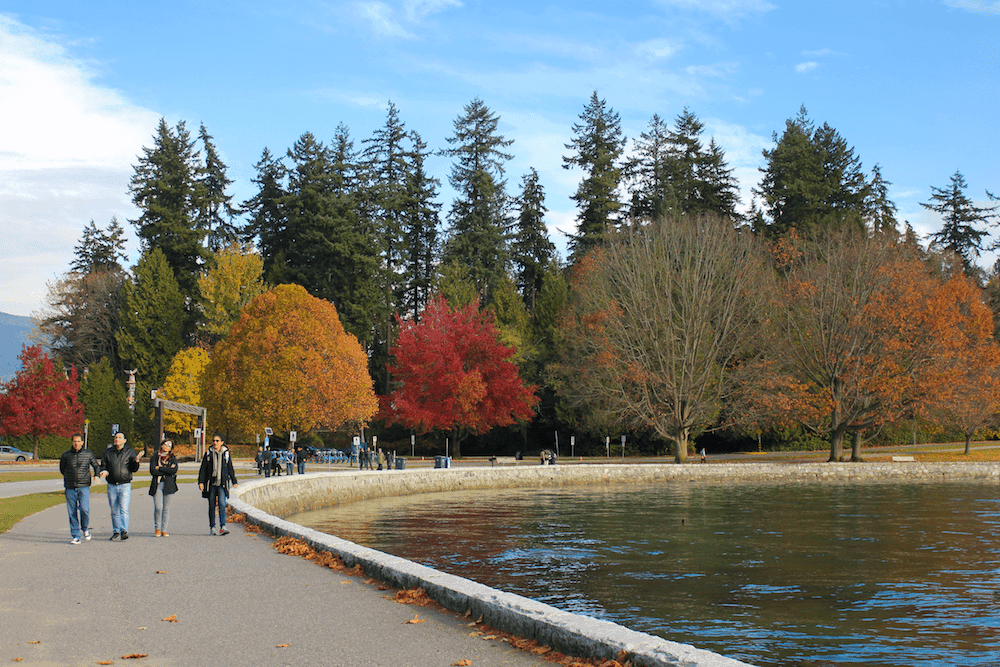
442 461
400 463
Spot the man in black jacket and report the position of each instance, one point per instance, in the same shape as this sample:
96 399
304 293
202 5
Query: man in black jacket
75 465
119 463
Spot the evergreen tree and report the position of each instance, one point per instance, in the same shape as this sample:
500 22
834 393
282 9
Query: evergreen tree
880 211
266 222
649 173
478 221
152 317
102 393
812 179
421 221
354 286
962 231
165 188
532 249
100 250
673 172
215 208
597 147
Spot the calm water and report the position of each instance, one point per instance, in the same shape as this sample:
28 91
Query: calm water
772 575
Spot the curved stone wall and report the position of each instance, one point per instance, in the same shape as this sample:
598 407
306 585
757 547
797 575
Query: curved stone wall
263 501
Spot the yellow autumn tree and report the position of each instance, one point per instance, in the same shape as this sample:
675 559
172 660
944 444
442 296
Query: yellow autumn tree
183 386
234 280
287 363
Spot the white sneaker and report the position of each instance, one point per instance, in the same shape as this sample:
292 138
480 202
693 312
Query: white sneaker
75 540
211 531
86 535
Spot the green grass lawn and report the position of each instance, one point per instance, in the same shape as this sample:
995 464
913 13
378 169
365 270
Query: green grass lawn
14 509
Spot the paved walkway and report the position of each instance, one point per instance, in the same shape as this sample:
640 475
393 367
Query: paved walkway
236 601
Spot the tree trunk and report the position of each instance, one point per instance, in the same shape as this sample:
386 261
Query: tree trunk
34 439
968 438
680 454
836 444
456 444
856 448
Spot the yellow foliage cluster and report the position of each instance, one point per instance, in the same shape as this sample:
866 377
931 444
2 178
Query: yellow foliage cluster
183 386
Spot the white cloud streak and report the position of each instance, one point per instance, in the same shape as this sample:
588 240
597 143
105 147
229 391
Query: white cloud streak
988 8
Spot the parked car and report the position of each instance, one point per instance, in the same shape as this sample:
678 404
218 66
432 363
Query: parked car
8 453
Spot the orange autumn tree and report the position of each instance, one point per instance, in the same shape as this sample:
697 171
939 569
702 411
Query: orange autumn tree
970 396
288 363
866 330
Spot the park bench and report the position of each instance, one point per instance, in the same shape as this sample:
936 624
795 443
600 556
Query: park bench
902 459
502 461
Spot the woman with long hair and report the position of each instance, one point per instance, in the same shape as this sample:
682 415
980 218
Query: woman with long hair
163 469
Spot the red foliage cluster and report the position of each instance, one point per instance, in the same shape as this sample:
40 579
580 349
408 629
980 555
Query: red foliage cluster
453 374
40 401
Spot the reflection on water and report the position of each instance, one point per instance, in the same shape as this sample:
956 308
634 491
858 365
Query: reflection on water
774 575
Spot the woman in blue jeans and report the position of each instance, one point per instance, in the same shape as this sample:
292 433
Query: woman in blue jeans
214 477
163 470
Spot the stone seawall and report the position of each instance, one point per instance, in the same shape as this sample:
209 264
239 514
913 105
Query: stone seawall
263 501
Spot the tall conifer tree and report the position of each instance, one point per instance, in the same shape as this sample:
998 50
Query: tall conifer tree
597 147
479 224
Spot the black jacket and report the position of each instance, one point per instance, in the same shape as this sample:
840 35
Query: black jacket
206 473
119 464
76 466
165 475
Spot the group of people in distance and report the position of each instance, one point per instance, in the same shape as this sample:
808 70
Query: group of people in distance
269 459
80 467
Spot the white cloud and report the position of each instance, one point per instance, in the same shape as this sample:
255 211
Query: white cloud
55 115
417 9
382 19
802 68
989 8
723 8
68 149
657 49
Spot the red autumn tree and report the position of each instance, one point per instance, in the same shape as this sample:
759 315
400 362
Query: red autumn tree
452 374
39 400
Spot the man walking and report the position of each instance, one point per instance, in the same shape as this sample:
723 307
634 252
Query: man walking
75 465
214 476
119 463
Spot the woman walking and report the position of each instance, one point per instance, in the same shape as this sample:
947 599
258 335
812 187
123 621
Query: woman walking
213 479
163 469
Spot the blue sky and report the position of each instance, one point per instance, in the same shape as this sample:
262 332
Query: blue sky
913 86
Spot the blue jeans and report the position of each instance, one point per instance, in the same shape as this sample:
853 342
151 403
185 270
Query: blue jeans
302 467
161 509
216 498
288 468
78 507
119 496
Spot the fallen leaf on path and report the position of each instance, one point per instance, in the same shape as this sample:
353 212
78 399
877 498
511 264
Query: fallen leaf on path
540 650
281 646
171 619
105 662
16 659
37 641
161 571
415 620
133 656
461 663
345 582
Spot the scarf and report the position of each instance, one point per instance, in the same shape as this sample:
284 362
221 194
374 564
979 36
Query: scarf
216 466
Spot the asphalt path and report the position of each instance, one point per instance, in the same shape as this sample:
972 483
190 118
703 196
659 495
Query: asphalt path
236 600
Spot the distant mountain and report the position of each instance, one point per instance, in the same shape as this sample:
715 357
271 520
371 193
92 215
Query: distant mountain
14 330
